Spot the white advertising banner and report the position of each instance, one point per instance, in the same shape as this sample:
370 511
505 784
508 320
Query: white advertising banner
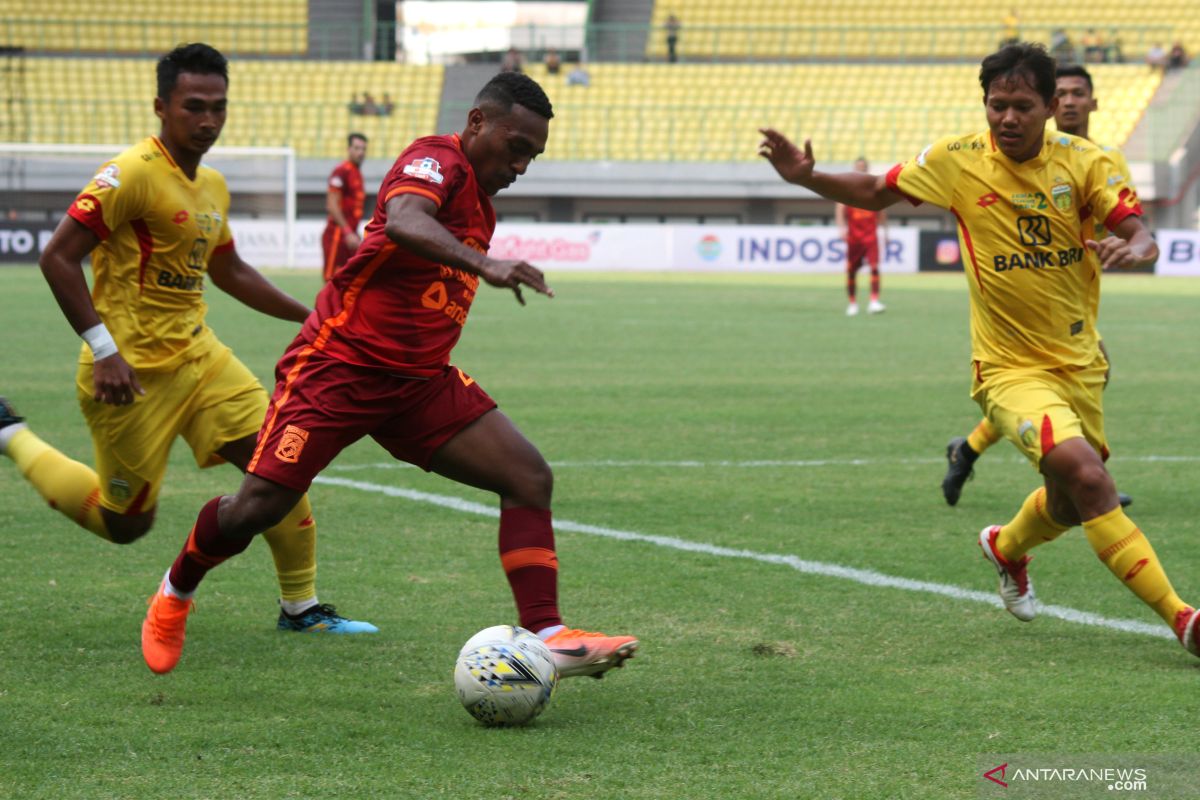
684 248
781 248
564 246
260 242
1178 253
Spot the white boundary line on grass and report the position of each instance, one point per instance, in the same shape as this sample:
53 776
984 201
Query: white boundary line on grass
752 464
862 576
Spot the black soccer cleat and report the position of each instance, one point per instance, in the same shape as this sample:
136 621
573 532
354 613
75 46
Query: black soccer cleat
960 461
8 414
1125 500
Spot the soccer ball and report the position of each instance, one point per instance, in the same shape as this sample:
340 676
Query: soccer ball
505 676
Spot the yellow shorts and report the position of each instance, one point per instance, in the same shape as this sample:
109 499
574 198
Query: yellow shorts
211 400
1035 409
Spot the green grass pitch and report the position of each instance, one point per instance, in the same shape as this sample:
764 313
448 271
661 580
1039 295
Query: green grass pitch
744 414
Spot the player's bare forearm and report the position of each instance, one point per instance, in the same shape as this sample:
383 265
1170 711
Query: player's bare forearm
411 224
856 189
1130 247
62 267
248 286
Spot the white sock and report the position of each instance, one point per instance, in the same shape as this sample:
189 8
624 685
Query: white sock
169 589
8 432
546 633
294 607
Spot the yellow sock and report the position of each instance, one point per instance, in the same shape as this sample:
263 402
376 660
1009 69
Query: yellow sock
984 436
1032 526
72 489
1127 553
294 547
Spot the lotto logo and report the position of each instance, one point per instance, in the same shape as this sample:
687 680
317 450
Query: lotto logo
85 204
291 443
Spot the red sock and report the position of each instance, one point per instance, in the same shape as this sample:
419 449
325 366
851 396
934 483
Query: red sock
205 549
527 555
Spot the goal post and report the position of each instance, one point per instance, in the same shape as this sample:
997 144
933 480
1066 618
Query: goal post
34 179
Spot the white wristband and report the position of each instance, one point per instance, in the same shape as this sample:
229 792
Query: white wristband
100 340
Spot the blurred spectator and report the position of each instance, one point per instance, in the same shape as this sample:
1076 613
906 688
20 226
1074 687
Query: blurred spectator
672 27
512 62
1116 50
1178 59
1012 28
578 77
553 62
356 106
369 107
1156 57
1093 47
1061 47
386 106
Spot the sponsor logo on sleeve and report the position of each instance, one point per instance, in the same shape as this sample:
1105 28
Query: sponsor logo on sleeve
921 157
427 169
337 182
107 178
86 204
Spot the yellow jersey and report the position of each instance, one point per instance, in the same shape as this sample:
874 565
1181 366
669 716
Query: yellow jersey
157 231
1034 286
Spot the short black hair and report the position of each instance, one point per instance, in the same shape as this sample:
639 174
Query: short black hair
1076 72
507 89
197 58
1026 61
356 135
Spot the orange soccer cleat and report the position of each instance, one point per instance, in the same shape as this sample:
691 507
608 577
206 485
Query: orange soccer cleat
585 653
163 631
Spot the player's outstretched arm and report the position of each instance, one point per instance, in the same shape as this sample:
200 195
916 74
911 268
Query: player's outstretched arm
1131 246
794 165
248 286
113 379
412 224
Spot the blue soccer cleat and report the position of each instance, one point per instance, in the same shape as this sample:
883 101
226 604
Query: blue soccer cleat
322 618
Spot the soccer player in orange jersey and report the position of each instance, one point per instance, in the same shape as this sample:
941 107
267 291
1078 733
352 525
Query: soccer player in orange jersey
1022 197
858 227
373 360
344 204
1076 102
156 224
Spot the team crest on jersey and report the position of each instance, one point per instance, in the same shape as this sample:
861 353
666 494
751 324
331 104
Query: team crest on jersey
1027 432
1061 193
107 178
426 169
119 488
290 444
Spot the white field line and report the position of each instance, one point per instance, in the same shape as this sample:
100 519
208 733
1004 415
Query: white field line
753 464
862 576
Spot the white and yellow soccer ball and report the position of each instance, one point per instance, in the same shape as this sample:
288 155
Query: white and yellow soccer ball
505 675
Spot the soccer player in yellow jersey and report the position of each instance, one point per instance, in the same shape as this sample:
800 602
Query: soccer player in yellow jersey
156 222
1022 197
1076 102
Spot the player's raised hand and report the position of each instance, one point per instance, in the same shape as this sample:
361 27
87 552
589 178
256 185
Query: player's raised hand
1113 252
114 381
515 274
793 164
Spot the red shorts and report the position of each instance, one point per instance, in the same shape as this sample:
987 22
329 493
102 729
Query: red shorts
857 251
333 246
321 406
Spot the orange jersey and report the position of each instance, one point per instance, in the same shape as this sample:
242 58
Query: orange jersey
346 179
157 230
861 224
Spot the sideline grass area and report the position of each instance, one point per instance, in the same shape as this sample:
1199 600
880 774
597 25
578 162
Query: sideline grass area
754 681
